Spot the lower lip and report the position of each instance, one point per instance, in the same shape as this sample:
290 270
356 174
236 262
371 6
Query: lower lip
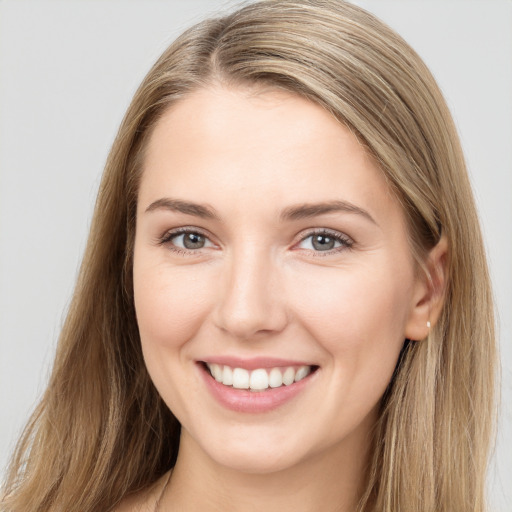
243 400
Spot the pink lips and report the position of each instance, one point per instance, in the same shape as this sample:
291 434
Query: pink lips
246 401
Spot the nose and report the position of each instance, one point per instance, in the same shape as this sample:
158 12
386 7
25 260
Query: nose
252 302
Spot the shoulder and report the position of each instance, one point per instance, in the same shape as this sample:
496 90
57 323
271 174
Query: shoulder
144 500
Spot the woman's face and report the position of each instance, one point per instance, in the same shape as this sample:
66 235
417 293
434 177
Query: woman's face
268 249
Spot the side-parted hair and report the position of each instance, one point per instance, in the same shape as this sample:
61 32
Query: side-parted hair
101 430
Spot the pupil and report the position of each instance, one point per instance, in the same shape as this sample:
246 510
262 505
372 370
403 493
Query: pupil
323 243
193 241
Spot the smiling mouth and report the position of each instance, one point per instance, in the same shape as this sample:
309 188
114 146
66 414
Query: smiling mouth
259 379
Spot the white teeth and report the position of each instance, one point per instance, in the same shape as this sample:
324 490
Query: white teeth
216 372
275 378
289 376
259 379
302 372
227 376
240 378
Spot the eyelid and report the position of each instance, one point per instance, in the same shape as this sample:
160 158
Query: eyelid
167 237
346 241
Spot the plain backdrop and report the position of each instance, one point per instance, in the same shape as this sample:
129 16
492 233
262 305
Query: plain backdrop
68 69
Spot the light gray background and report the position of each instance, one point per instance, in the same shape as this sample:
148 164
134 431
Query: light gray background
67 72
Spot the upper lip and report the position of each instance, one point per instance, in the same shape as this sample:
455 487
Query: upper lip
254 362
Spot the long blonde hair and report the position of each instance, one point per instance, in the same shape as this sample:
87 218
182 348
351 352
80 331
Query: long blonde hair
101 430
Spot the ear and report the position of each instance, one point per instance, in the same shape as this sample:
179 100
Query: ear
429 292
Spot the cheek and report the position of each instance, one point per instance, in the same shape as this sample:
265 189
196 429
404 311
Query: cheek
170 305
344 302
358 316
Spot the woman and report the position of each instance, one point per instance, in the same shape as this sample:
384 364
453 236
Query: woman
285 207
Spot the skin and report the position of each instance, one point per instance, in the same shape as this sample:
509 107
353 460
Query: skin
259 287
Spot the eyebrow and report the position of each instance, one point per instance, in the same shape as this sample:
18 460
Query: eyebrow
177 205
306 211
298 212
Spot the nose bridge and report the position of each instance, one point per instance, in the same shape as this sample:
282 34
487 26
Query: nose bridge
250 301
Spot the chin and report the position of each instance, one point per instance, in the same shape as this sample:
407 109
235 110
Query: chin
256 462
250 451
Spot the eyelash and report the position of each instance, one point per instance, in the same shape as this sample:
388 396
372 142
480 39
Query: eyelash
344 241
167 238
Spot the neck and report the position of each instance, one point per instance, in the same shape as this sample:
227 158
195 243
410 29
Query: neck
327 481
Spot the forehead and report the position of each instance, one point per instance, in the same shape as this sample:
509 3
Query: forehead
232 145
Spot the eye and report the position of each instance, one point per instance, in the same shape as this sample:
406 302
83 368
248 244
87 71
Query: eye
186 240
189 241
325 241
